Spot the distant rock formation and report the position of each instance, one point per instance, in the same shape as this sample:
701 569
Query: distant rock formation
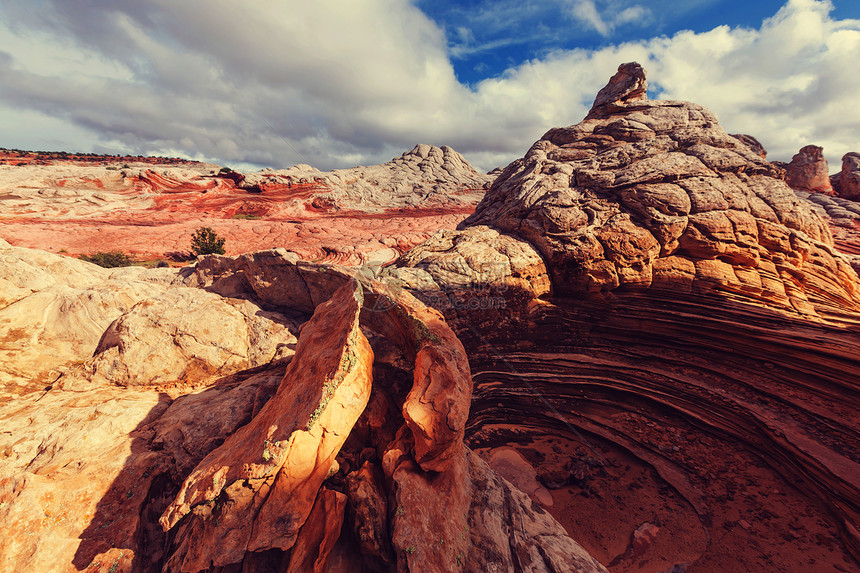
808 171
849 183
426 174
347 216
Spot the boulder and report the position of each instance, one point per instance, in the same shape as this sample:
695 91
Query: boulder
849 185
808 171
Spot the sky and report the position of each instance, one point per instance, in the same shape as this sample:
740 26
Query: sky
339 83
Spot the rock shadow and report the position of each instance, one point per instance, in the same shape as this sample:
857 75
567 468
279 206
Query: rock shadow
124 534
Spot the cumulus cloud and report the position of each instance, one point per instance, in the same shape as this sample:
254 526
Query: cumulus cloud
337 84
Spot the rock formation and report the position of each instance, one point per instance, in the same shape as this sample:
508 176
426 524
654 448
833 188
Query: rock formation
843 217
426 174
643 340
655 194
348 216
752 143
808 171
669 305
350 452
849 183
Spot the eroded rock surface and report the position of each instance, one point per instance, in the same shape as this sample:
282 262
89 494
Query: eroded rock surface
262 467
348 216
655 194
849 183
808 171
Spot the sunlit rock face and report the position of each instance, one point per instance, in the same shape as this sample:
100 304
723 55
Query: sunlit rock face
334 446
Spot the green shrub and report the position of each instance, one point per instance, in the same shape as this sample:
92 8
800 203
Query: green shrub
109 260
225 170
205 241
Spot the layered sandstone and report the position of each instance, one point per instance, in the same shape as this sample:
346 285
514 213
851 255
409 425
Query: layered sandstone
656 195
348 216
673 318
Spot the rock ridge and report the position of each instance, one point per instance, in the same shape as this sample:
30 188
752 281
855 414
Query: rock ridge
655 194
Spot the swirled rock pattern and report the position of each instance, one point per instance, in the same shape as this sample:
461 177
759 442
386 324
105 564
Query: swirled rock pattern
150 208
691 375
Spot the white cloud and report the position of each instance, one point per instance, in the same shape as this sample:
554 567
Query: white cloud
334 84
788 83
586 11
605 21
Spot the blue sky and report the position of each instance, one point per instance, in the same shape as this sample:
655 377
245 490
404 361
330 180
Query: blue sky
487 37
336 84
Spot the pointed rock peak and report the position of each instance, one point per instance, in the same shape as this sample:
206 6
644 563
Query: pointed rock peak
626 86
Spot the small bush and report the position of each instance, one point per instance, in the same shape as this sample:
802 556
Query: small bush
225 170
109 260
205 241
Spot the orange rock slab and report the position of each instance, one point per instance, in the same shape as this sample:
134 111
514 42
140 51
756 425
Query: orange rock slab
269 472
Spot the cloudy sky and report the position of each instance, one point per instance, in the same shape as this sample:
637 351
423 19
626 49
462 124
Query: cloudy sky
338 83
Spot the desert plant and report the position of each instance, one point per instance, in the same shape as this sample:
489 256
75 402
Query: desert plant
205 241
109 260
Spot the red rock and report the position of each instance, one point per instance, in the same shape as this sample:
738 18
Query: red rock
344 216
808 171
654 320
318 535
849 184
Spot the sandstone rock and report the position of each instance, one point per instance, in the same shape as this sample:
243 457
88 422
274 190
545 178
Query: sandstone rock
752 143
808 171
185 336
54 310
424 175
849 185
512 466
628 86
151 212
271 470
671 339
640 180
